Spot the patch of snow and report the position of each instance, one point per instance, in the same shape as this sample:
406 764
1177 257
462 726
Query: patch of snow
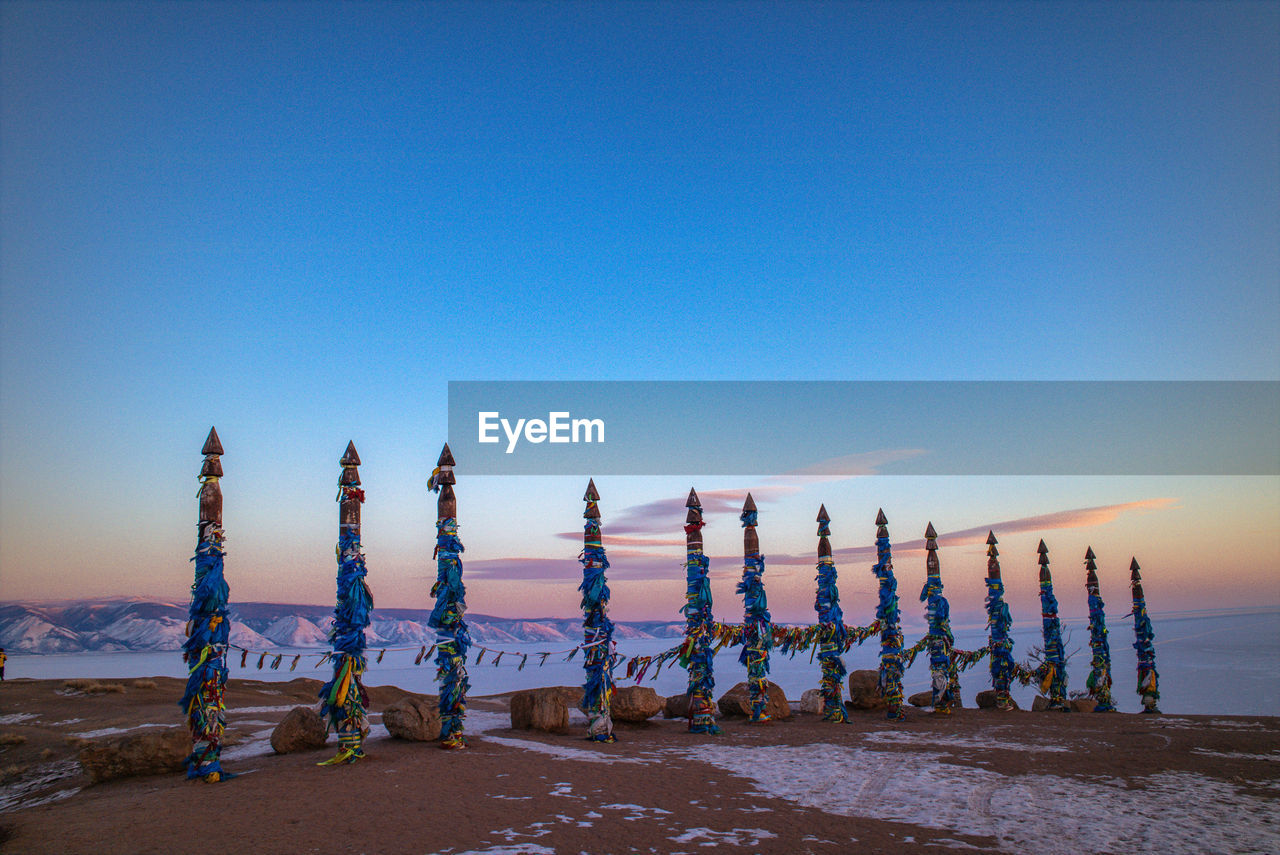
1235 755
897 737
21 792
112 731
14 718
510 834
635 812
1023 813
518 849
513 798
561 752
736 837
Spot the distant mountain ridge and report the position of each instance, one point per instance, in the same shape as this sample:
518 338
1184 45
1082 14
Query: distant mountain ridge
140 624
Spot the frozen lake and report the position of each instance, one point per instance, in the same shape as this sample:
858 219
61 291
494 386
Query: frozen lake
1209 663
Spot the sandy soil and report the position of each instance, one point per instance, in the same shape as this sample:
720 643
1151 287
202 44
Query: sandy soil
978 780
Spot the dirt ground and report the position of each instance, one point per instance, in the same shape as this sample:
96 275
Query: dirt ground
979 780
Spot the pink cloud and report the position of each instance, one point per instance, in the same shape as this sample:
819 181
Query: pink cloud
1075 518
637 564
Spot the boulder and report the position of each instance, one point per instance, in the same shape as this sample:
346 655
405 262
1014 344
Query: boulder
987 700
635 703
1041 704
152 752
921 699
572 695
1082 704
736 702
540 709
864 691
677 706
301 729
413 718
811 701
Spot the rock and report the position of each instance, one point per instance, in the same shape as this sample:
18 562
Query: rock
864 691
301 729
811 701
677 706
1041 704
413 718
153 752
540 709
635 703
572 695
921 699
987 700
736 702
1082 704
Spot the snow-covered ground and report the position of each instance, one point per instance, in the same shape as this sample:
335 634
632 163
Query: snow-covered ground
1210 663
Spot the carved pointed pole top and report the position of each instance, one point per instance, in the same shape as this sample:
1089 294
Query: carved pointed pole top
349 495
350 457
210 492
212 450
1091 569
446 457
824 529
592 494
212 445
993 556
750 540
1135 578
882 524
693 522
931 564
881 519
1044 562
442 481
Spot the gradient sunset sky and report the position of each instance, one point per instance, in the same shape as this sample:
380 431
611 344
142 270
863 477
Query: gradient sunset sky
299 221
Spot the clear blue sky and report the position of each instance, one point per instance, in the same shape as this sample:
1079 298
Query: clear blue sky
300 220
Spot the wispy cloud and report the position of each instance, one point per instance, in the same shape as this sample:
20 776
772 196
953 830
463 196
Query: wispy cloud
633 563
612 539
661 516
1075 518
850 465
665 515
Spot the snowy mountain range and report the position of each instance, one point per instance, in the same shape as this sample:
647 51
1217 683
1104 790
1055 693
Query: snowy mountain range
137 624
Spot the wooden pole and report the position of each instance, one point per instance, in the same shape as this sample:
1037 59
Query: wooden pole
999 624
1099 682
1054 668
757 625
453 639
205 650
945 680
832 632
891 658
344 699
1144 643
597 630
697 655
